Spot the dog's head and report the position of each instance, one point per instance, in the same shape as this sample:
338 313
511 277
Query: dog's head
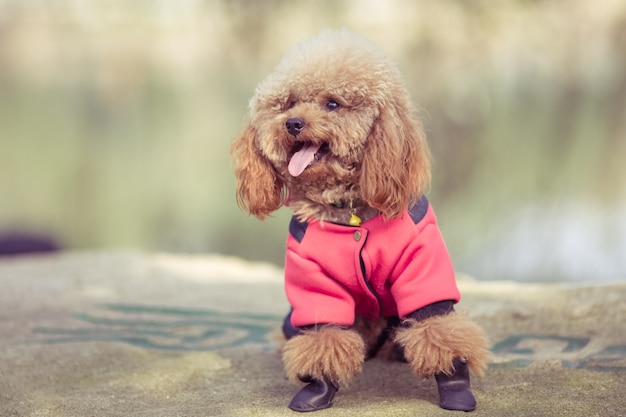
333 121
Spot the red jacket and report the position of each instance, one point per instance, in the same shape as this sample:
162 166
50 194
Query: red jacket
381 268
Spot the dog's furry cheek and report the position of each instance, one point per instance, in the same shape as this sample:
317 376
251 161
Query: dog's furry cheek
272 144
352 133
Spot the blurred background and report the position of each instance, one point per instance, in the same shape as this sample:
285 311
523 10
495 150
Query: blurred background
116 119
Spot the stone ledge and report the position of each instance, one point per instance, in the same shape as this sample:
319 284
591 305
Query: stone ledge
129 333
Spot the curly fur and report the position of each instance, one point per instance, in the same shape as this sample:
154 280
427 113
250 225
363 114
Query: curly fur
371 151
330 352
267 193
431 345
377 149
379 336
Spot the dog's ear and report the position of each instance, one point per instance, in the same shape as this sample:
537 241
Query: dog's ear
396 163
260 191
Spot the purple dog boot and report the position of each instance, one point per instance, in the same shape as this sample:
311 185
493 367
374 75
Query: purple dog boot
454 389
317 395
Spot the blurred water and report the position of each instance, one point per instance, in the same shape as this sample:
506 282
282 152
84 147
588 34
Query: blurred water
572 241
116 120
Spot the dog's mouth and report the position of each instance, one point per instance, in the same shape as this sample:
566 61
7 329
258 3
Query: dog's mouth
306 154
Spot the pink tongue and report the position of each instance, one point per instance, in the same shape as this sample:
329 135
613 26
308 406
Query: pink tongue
303 158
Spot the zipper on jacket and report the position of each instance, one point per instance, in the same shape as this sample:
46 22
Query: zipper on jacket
367 282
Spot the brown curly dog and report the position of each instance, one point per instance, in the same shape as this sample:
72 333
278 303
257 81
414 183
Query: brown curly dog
332 135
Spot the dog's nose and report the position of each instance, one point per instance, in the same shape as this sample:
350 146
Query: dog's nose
294 125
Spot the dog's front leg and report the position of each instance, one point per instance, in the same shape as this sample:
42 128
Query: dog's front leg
440 342
325 357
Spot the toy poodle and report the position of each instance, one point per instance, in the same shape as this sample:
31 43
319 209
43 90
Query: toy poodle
333 136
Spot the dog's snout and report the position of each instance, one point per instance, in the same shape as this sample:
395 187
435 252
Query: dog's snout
294 125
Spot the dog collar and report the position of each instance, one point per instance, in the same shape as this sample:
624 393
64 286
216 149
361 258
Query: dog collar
351 204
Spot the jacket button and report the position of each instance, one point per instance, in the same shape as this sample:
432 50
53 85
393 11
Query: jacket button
357 235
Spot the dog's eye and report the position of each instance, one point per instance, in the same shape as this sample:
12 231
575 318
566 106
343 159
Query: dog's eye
292 104
332 105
